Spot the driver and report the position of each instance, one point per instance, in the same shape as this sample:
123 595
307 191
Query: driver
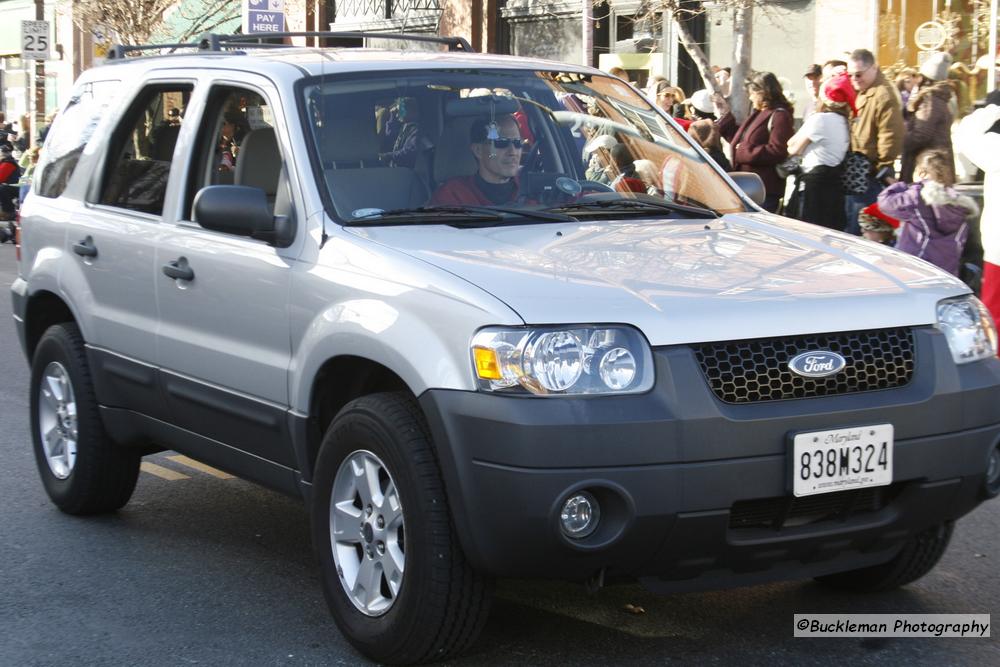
497 146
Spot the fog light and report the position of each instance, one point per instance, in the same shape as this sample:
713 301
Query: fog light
993 473
580 515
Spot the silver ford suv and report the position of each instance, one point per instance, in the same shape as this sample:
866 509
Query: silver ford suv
488 317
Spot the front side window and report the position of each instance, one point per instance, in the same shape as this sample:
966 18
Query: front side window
392 145
142 149
71 130
236 145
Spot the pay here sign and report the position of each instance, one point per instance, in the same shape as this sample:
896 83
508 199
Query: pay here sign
263 16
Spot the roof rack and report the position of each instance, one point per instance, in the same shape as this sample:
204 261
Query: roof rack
119 51
214 42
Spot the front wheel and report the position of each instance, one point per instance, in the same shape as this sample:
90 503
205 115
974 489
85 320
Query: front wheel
394 575
918 557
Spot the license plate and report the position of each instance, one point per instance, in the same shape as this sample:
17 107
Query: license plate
841 459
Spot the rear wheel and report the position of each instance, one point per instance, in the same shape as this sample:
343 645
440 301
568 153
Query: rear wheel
394 575
918 557
82 470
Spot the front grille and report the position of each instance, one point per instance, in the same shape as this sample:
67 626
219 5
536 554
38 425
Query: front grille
747 371
789 511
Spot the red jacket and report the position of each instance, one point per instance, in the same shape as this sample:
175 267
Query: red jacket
760 143
463 191
7 169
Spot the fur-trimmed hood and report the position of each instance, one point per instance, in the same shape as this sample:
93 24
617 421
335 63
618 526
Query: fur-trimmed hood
942 90
936 194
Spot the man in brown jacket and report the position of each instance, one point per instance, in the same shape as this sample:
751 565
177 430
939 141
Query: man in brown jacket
877 131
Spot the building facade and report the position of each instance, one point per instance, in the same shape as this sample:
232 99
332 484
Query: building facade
788 35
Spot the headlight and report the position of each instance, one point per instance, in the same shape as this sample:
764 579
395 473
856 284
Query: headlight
562 360
968 327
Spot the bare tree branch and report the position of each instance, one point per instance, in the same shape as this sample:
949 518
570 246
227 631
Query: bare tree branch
210 14
682 11
136 21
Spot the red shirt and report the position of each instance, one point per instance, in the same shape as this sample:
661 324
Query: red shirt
463 191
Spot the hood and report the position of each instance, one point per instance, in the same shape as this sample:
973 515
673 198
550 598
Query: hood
947 199
941 90
680 281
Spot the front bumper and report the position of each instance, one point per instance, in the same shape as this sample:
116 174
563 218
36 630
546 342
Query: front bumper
677 472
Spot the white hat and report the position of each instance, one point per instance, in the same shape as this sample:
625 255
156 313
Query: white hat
701 100
936 66
604 141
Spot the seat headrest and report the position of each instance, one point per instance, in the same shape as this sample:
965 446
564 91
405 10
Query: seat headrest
483 105
259 162
452 156
349 136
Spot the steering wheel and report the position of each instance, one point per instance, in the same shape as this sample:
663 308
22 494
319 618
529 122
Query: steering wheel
555 189
591 187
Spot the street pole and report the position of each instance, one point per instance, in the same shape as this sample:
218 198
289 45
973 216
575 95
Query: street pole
38 118
587 9
991 71
666 46
742 49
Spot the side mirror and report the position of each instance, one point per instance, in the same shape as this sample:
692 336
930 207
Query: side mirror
750 184
241 210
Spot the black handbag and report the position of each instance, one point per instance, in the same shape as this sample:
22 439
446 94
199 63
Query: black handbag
856 170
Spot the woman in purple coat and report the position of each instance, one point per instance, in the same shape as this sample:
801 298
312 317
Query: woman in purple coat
934 215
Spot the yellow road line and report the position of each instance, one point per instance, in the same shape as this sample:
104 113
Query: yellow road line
160 471
198 465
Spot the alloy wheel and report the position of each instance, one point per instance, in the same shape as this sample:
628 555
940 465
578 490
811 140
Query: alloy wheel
366 533
57 420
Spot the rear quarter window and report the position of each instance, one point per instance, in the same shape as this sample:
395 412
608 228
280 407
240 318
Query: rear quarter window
72 128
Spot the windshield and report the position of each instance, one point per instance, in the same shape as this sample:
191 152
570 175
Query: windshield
421 145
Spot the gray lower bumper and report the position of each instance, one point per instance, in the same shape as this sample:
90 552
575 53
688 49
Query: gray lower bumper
672 468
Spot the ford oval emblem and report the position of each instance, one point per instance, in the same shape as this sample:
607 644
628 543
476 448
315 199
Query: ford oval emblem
817 364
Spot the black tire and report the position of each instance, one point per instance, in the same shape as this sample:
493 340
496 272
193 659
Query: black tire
918 557
104 474
442 604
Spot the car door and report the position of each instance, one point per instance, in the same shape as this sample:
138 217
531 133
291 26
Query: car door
111 239
223 336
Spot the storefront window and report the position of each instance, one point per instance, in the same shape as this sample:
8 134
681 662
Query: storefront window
909 32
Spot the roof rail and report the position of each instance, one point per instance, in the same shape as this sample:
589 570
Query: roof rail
218 42
214 42
119 51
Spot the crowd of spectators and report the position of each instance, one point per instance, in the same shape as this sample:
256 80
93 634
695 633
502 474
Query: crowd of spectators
873 154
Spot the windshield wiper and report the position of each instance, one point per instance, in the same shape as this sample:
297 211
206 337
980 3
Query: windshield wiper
455 215
428 214
635 204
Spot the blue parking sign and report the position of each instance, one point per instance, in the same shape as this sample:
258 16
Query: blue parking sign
265 21
263 16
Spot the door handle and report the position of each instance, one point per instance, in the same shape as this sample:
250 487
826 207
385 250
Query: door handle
85 248
178 269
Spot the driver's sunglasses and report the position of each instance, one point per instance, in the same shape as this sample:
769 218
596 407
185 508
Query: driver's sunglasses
519 144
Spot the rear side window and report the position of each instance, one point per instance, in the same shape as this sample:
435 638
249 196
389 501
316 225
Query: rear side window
142 148
71 130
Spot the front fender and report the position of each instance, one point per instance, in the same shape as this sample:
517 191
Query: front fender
424 353
378 304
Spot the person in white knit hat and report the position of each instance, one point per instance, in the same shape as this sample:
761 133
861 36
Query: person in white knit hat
928 123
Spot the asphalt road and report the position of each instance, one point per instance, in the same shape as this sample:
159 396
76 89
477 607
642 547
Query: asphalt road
203 569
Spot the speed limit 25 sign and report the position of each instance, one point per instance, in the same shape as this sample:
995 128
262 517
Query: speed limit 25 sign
35 40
